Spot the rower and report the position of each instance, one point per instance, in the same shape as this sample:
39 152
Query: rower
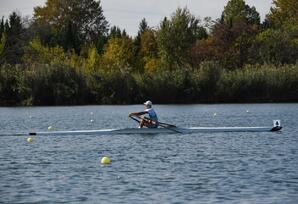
152 121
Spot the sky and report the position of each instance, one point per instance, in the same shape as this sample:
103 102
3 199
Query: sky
127 14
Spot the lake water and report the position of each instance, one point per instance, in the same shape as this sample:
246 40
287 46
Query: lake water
174 168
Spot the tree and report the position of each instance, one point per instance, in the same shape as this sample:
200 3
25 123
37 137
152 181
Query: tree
148 44
14 40
118 55
2 45
2 26
277 46
86 16
232 39
36 53
284 13
143 26
237 11
176 36
279 43
115 32
148 51
2 39
71 40
93 59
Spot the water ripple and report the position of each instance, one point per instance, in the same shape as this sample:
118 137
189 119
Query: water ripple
197 168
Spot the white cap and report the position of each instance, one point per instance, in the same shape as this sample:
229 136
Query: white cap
148 103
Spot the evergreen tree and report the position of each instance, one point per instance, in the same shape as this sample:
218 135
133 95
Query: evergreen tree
115 32
237 11
71 39
15 39
143 26
2 27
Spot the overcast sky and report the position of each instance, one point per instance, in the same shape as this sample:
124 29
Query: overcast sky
128 13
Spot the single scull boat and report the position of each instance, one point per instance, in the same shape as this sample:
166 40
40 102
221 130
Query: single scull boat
159 130
170 129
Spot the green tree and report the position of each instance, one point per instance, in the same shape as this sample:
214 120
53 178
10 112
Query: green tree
14 40
86 16
2 45
277 46
71 40
232 39
143 27
93 59
118 55
237 11
285 12
149 50
115 32
176 36
2 26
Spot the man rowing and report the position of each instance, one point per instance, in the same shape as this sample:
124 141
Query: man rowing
152 121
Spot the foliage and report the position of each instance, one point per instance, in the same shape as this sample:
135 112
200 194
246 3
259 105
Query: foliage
118 55
14 39
176 36
56 84
2 44
83 20
66 56
93 60
284 13
277 46
237 11
259 84
12 88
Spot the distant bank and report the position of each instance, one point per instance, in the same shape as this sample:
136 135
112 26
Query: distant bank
62 85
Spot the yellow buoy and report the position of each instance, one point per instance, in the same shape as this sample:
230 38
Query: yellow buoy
105 160
50 128
29 139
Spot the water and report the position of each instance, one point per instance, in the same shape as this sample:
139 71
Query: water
174 168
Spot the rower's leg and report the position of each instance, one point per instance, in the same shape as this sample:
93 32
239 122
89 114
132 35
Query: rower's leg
142 123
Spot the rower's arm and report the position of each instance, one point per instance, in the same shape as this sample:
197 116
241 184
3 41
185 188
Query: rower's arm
138 113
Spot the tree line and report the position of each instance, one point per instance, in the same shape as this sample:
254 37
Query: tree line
68 54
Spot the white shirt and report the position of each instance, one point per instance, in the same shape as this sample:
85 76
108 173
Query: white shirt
152 114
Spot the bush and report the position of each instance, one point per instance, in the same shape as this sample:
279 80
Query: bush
56 85
259 83
13 90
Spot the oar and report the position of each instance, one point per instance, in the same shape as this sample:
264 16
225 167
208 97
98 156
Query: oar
164 125
170 125
134 119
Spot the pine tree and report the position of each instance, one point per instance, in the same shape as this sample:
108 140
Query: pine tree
14 32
